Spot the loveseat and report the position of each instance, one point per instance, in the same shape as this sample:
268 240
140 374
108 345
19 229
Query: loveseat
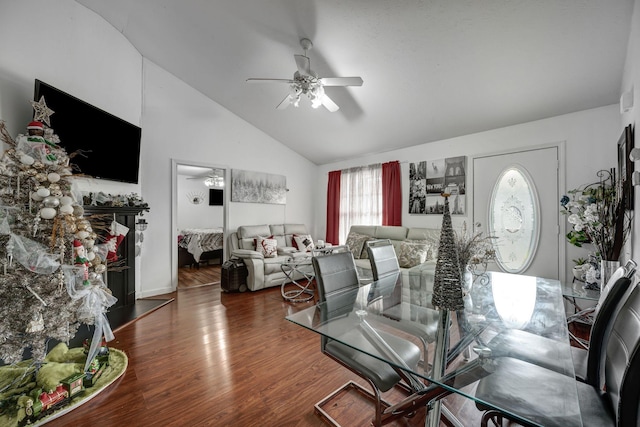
416 249
265 271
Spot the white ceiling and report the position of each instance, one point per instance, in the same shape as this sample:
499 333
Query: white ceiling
432 69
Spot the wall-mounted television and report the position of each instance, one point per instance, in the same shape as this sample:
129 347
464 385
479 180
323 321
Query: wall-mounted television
216 197
110 145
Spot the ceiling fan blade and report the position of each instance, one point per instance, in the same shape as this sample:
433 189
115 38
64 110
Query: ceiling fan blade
329 104
285 103
257 80
341 81
304 64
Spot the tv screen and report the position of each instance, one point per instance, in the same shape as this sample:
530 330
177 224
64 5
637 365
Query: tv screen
110 145
216 197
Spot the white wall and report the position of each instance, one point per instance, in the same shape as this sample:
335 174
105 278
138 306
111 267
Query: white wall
631 81
192 215
590 138
181 123
75 50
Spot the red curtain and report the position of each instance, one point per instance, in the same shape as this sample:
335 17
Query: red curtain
333 207
391 194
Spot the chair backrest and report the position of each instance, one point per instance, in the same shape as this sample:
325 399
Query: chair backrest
335 273
622 362
614 294
336 282
383 258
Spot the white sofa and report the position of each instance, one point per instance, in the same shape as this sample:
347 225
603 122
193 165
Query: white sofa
417 280
265 272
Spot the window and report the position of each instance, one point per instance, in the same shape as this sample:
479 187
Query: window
514 215
360 198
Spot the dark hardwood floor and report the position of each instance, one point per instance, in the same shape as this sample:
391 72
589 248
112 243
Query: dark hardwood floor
210 358
203 275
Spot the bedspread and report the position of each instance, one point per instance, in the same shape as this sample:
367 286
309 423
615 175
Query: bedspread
199 240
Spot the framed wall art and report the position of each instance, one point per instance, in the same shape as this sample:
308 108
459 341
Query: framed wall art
258 187
625 165
430 178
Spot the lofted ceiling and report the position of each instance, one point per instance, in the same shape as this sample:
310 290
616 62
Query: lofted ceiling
432 70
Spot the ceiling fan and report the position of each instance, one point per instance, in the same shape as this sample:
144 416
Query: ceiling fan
306 82
213 178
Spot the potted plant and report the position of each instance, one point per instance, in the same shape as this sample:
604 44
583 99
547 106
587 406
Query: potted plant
580 268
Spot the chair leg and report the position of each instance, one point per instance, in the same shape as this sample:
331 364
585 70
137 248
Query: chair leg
494 416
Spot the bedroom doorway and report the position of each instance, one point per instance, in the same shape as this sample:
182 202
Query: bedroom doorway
199 223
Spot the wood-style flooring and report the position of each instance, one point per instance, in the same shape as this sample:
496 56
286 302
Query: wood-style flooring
203 275
210 358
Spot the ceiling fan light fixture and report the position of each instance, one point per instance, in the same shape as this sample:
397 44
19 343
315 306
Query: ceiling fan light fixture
214 181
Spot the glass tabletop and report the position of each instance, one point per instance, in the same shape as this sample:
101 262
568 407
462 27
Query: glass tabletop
501 303
577 290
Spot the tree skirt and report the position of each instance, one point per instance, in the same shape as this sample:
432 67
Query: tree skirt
61 362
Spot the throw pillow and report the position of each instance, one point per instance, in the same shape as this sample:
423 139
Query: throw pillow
412 254
268 247
355 242
432 247
255 242
303 242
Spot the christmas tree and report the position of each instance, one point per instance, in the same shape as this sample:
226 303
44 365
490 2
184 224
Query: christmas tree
447 289
50 264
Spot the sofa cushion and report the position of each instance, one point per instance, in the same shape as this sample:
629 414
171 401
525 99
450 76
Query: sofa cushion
247 235
391 232
303 242
267 246
412 253
431 235
355 242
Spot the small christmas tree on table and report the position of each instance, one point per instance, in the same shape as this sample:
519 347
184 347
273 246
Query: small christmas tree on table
50 277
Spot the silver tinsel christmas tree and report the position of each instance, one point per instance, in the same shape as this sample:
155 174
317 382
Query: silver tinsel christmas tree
50 265
447 289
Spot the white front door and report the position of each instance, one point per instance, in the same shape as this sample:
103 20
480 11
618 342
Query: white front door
540 167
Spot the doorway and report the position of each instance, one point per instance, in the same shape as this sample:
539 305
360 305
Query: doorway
527 219
199 222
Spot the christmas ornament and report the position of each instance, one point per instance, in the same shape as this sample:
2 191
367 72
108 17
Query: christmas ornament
47 213
42 112
80 259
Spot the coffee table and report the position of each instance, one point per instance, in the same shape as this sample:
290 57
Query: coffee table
299 276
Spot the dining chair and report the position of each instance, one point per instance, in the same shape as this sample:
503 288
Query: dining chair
384 263
337 285
585 362
614 403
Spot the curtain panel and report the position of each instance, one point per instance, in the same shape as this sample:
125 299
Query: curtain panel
360 198
391 194
333 208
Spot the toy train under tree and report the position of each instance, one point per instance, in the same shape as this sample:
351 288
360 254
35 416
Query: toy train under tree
41 403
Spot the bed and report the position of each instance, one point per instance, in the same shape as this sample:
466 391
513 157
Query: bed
197 245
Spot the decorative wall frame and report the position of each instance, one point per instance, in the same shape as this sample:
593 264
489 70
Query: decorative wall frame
258 187
429 178
625 165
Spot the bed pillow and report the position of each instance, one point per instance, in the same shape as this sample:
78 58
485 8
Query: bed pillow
355 242
303 242
267 247
412 253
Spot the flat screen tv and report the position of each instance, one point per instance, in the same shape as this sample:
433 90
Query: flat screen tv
216 197
110 145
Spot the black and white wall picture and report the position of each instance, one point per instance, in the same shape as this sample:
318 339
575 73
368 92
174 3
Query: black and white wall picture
258 187
429 179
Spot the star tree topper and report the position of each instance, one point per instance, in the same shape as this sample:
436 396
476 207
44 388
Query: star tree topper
42 112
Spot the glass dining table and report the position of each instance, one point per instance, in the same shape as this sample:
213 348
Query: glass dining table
495 303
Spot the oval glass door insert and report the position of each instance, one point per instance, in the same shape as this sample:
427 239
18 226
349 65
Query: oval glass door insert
514 216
